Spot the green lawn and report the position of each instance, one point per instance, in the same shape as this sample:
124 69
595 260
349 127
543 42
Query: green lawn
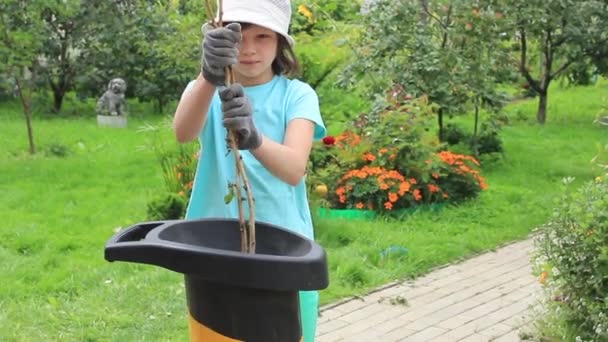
58 212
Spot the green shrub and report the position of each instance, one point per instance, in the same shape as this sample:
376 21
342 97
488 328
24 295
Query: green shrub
58 150
453 134
487 140
168 206
572 261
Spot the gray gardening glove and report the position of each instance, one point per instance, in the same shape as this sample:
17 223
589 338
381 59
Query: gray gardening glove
219 51
238 117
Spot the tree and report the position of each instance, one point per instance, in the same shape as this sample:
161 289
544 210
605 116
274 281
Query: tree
20 41
447 50
564 32
157 46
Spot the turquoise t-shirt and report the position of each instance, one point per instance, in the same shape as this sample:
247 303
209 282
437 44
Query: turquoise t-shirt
274 104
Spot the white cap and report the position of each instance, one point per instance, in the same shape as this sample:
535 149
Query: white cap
271 14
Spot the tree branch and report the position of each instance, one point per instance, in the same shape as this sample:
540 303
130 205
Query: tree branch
561 69
425 7
523 61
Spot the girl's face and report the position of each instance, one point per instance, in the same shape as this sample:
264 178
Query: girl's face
258 49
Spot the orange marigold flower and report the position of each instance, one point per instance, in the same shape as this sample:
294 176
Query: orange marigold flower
359 205
382 151
342 199
383 186
482 184
445 195
189 185
435 175
404 187
340 191
388 205
392 156
392 197
413 181
543 277
433 188
417 195
369 157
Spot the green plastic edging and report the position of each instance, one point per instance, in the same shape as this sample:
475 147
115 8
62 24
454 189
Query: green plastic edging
370 214
346 213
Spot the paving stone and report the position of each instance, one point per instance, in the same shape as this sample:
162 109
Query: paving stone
484 298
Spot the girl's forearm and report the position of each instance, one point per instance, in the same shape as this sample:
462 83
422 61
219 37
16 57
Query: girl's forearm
191 112
282 161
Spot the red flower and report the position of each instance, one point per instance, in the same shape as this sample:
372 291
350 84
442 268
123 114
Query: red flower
329 140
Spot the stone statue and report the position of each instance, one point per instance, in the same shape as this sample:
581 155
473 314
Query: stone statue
112 102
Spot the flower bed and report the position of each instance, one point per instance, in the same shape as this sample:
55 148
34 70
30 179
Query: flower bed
391 160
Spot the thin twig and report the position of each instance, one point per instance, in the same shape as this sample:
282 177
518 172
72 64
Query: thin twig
247 232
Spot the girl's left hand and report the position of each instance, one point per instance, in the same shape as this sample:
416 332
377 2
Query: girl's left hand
238 117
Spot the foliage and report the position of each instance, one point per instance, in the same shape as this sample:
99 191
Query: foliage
177 163
486 142
84 44
169 206
387 160
566 33
20 40
318 16
450 52
155 65
572 261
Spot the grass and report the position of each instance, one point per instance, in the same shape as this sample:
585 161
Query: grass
58 212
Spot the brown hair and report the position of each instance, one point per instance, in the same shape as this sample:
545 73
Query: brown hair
286 63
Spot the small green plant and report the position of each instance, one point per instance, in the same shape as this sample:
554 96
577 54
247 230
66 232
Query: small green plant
572 262
169 206
58 150
487 140
454 134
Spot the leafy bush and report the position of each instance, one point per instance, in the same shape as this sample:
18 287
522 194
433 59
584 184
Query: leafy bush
313 16
572 261
177 163
487 140
168 206
321 60
58 150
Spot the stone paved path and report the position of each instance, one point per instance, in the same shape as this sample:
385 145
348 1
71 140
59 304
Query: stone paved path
481 299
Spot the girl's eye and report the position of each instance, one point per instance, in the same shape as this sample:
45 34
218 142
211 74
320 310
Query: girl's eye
263 36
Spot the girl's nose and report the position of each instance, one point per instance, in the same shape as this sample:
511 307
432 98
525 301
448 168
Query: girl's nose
246 48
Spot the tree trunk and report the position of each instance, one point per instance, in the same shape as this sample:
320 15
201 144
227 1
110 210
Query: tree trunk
58 95
160 104
475 129
440 123
541 114
25 102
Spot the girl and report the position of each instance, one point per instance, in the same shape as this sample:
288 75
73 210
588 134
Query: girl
276 120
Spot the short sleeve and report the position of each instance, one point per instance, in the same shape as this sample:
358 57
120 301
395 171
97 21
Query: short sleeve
305 105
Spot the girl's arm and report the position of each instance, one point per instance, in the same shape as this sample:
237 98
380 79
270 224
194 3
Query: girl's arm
288 161
191 112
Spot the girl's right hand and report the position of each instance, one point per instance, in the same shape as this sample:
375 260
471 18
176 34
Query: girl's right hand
220 49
